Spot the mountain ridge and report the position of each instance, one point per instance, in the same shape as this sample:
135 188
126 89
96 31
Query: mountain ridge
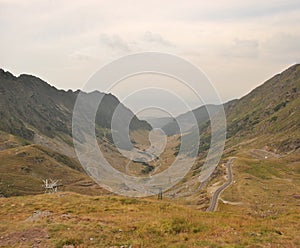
28 95
267 118
256 113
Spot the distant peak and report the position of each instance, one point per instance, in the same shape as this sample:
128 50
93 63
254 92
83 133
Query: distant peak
26 76
6 74
30 79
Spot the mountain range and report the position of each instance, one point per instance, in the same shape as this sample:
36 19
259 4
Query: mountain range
253 192
36 129
28 103
36 120
269 114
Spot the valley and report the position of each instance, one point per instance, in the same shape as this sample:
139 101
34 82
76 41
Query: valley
251 199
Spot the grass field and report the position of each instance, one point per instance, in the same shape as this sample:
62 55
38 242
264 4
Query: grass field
64 218
260 209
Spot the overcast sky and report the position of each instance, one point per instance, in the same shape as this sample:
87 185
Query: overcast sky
238 44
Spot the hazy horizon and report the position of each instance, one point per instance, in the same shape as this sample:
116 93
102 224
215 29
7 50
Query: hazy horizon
238 45
135 105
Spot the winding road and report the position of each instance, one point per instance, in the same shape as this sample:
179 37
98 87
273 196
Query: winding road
214 200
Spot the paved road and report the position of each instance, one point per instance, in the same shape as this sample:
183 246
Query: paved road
214 200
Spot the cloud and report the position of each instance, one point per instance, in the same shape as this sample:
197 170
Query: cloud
61 41
115 42
82 57
156 38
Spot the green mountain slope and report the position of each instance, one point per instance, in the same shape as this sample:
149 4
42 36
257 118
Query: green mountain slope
260 208
263 129
270 114
268 117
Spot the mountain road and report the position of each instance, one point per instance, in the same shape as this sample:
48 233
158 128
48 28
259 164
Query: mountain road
214 200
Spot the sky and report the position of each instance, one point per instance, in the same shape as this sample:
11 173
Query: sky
237 44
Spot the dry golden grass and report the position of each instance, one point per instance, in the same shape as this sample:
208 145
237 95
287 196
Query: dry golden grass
111 221
265 186
24 167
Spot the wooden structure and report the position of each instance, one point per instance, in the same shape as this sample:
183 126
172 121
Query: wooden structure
51 186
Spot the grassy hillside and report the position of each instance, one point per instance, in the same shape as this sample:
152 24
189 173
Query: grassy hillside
262 131
260 208
265 185
270 114
24 166
69 219
36 134
268 117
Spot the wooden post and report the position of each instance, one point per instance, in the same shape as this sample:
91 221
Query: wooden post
159 196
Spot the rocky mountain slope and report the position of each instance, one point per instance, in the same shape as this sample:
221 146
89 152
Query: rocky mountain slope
29 105
261 126
269 116
36 120
36 134
260 208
